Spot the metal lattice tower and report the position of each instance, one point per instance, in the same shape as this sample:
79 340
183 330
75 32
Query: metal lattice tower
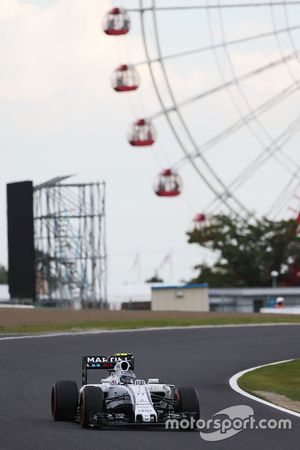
70 243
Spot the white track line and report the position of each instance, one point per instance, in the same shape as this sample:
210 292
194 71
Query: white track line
234 385
138 330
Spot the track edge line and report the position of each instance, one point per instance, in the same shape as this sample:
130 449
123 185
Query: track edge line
54 334
233 382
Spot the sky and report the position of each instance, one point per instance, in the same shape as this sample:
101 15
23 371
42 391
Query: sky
59 116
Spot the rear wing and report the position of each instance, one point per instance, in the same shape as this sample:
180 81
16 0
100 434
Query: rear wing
93 362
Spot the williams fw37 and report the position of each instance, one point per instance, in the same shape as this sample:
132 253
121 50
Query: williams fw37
121 398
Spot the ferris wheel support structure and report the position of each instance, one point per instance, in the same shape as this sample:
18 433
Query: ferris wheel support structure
232 81
221 196
225 85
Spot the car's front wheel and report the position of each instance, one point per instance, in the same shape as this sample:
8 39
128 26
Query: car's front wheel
91 403
64 400
187 401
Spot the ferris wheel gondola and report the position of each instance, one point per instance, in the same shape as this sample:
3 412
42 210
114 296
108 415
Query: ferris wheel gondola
142 133
168 184
199 220
125 79
116 22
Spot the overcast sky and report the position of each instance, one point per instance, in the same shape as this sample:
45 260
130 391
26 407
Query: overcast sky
59 115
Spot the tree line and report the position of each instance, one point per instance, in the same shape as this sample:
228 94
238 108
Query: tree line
248 251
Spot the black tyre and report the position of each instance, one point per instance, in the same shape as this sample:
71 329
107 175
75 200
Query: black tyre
64 400
91 403
187 401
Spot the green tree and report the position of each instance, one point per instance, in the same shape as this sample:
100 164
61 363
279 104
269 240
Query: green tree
155 278
3 275
247 252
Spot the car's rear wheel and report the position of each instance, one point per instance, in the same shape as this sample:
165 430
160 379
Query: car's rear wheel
64 400
187 401
91 403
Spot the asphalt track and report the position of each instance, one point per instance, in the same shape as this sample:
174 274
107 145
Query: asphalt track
205 358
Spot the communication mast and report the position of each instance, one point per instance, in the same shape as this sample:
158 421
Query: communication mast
70 243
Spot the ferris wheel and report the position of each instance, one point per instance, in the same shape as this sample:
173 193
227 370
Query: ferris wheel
225 76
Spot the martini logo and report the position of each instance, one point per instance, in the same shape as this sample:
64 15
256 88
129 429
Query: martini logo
103 359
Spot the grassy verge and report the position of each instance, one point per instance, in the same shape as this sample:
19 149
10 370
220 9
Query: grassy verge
283 379
113 324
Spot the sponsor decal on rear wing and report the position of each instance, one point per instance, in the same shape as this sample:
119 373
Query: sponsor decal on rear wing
104 362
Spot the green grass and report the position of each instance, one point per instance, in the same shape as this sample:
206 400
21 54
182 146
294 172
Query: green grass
144 323
281 379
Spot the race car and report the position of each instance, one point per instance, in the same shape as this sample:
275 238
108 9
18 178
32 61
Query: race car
121 398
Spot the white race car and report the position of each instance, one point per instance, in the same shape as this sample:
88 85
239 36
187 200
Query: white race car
120 398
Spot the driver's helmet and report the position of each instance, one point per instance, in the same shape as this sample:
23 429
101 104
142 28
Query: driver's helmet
127 377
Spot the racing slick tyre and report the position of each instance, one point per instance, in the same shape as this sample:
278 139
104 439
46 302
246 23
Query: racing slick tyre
91 403
187 401
64 400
